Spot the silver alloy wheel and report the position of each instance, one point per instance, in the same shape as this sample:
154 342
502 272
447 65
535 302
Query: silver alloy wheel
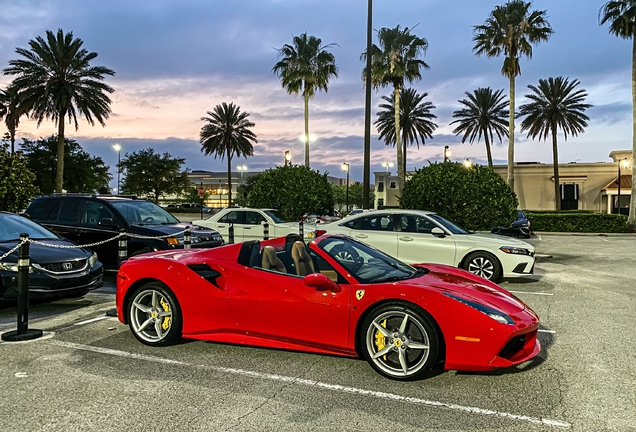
482 266
151 315
398 343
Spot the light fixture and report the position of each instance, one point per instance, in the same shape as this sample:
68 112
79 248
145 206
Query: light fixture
117 148
387 165
468 163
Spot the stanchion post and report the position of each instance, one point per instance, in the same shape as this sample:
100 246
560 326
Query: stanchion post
266 231
122 248
230 233
301 230
187 238
23 332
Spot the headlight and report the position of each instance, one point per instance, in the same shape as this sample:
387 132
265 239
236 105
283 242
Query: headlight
498 316
12 267
93 259
514 250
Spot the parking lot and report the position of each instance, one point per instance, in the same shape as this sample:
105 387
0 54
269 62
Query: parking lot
89 372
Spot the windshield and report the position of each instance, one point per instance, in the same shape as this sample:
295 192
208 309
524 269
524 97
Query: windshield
366 264
447 224
11 226
137 212
275 215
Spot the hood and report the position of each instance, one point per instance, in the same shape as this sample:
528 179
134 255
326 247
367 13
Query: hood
158 230
499 240
47 255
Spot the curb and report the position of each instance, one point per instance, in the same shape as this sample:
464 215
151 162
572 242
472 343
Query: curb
580 234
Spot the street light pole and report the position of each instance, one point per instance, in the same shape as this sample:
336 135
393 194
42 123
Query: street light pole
618 201
117 148
366 180
287 158
446 154
345 167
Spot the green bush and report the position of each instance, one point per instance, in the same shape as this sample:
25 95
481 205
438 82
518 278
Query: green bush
16 181
474 198
578 222
294 190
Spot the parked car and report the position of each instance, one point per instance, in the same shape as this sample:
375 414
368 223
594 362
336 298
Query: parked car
248 223
88 219
522 220
420 236
283 294
520 227
55 271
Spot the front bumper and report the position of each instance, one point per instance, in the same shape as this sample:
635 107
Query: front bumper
517 265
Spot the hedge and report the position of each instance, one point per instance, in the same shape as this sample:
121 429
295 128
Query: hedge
578 222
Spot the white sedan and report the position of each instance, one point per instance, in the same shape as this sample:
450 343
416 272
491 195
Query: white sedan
415 236
248 224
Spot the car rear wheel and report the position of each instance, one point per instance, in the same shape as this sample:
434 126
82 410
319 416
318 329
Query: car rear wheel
399 341
483 264
154 316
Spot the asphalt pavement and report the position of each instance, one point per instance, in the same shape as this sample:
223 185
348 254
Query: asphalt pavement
89 372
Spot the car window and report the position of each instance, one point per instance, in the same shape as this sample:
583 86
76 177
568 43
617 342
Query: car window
236 217
322 266
94 212
416 224
448 224
69 210
42 208
276 216
11 226
376 222
141 212
253 218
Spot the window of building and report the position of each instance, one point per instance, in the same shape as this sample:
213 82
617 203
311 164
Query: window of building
569 197
392 185
381 187
380 202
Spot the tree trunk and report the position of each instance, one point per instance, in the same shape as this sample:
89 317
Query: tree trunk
488 148
398 140
229 178
404 155
511 136
59 175
306 130
12 137
555 162
631 219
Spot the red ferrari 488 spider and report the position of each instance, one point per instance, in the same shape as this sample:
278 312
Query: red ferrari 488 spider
334 296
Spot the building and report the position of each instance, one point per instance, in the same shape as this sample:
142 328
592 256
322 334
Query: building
584 186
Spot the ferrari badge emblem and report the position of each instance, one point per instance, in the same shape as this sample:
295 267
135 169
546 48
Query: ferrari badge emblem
359 294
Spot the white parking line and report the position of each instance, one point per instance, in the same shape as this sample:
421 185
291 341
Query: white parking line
604 239
318 384
546 331
529 292
88 321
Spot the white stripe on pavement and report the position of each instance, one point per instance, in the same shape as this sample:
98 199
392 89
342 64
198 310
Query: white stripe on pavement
546 331
318 384
529 292
88 321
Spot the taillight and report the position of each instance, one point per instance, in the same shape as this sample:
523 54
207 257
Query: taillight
320 232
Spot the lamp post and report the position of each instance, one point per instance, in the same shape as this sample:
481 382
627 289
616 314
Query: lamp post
241 169
366 178
446 154
287 158
618 200
345 167
117 148
387 165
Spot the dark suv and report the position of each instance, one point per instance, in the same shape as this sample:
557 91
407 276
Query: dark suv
87 219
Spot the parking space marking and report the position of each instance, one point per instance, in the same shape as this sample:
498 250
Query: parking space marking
88 321
546 331
530 292
604 239
318 384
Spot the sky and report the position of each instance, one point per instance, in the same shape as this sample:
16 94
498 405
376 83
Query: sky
177 59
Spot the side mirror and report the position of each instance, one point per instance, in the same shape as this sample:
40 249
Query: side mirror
438 232
107 222
321 282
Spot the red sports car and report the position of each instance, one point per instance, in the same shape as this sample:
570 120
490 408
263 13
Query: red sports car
333 296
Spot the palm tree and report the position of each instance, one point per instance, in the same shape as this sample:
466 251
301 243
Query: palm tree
227 133
555 104
415 117
11 109
485 112
305 67
393 62
511 29
621 14
56 81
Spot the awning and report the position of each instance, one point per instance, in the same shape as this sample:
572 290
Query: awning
626 183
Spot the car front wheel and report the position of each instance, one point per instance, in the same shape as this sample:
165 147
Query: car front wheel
483 264
154 316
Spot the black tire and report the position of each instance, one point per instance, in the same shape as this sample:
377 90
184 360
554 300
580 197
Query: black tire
483 264
154 315
409 355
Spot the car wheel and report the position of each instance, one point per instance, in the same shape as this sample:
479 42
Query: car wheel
399 341
483 264
154 316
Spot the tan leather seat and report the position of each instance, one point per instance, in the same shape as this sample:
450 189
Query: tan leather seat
302 261
270 261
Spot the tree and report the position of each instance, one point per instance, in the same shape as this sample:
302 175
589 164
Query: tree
484 112
355 195
56 81
16 181
294 190
473 198
83 173
621 14
416 119
555 104
304 68
393 62
511 29
150 174
227 133
11 109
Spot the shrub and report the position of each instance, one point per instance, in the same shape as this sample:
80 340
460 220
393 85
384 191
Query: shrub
578 222
16 181
294 190
473 198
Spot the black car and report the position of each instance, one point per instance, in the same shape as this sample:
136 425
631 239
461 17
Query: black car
87 219
520 227
54 272
522 220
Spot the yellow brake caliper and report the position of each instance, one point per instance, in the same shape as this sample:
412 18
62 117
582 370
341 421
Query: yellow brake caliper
380 340
166 307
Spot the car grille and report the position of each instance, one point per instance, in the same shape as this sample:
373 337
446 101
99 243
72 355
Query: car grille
65 267
513 346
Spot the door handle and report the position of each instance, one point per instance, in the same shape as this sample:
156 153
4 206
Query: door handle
247 227
361 236
221 226
406 239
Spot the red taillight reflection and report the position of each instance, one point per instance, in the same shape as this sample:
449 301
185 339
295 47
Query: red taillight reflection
320 232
